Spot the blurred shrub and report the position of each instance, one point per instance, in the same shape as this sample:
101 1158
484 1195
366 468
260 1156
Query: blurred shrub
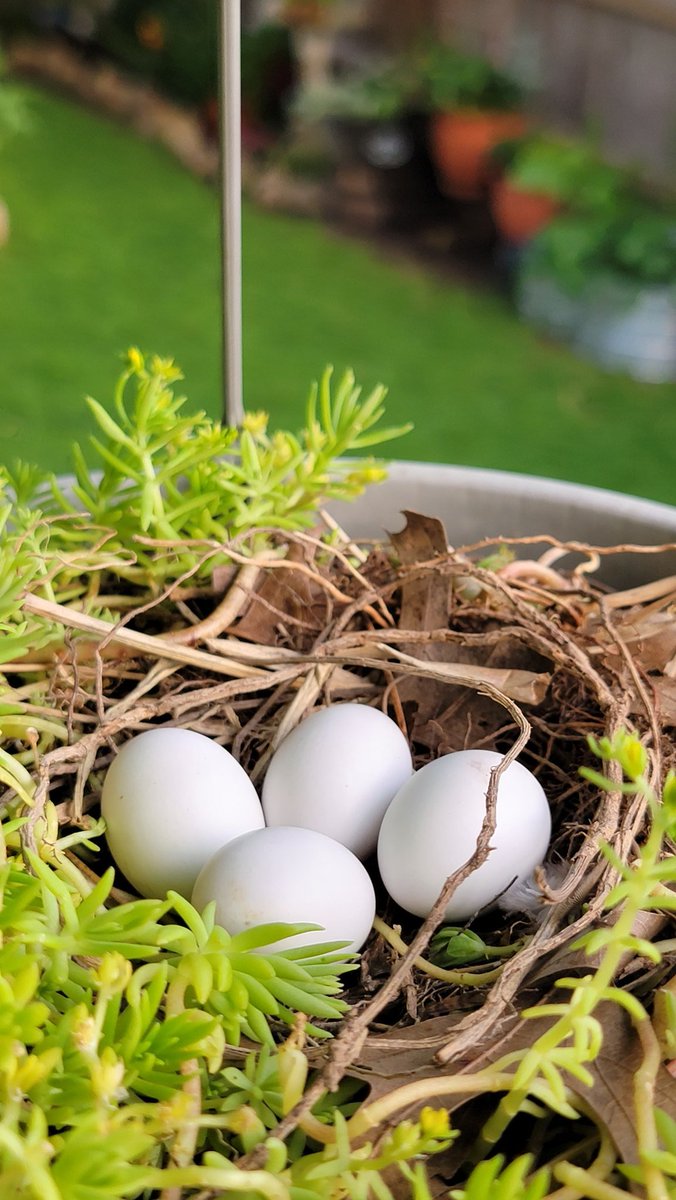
452 80
632 236
570 170
14 112
171 44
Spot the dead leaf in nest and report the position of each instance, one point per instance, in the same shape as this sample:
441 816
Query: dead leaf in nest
611 1099
524 686
425 600
665 697
566 961
402 1056
650 638
285 597
442 712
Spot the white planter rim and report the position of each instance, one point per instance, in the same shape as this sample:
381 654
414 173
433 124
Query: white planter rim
481 503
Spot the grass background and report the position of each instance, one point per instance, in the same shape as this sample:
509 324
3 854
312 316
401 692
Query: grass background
114 244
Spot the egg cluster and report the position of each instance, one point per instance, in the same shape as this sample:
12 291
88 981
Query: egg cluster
182 815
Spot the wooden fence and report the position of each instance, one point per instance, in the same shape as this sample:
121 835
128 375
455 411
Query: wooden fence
608 66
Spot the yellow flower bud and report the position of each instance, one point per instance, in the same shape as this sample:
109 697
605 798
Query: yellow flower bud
175 1112
165 368
107 1075
255 423
135 360
112 974
434 1122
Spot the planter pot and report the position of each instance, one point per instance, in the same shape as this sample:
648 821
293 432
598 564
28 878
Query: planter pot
630 329
384 178
300 13
386 145
519 215
461 143
475 504
543 303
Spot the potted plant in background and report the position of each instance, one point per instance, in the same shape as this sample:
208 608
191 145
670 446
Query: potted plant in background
543 174
629 319
606 280
473 107
377 133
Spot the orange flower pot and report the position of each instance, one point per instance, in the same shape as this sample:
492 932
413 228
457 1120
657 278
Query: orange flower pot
461 143
302 12
519 215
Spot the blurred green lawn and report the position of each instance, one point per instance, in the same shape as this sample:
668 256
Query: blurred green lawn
113 244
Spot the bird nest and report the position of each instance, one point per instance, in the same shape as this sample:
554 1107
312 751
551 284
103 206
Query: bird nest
475 647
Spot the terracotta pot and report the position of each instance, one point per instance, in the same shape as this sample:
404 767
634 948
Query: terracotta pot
302 12
630 327
461 143
519 215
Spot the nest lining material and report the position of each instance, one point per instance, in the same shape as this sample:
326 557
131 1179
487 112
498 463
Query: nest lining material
462 650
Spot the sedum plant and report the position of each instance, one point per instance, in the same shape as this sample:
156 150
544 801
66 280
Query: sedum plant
163 492
145 1052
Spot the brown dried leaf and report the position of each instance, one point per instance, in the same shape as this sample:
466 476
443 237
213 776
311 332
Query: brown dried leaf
611 1098
424 601
526 687
568 961
402 1056
665 697
651 639
285 597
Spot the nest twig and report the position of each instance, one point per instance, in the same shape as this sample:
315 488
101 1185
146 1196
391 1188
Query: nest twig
455 651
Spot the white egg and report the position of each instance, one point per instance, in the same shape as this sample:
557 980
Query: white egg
170 798
337 772
297 876
431 828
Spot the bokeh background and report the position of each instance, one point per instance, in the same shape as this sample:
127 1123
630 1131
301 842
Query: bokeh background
470 201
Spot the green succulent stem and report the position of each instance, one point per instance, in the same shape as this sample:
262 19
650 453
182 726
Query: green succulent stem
459 978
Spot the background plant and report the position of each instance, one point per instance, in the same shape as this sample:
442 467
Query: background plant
567 169
630 238
451 79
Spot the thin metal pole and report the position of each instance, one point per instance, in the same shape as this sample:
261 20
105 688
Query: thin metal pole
231 208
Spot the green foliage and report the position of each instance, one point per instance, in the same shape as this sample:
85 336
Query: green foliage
451 79
174 46
358 1173
488 1181
14 110
267 70
455 947
171 44
381 95
629 237
575 1038
169 491
566 169
102 1011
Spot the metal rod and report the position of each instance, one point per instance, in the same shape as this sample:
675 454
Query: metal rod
231 208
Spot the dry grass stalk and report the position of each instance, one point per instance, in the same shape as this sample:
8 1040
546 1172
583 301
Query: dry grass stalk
572 660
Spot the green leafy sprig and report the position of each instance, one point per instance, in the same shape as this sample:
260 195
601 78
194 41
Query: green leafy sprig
174 489
169 493
102 1010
